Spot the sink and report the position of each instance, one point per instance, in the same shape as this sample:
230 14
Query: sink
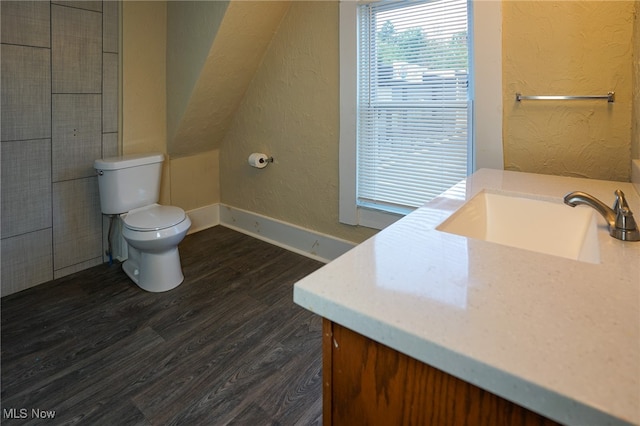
542 226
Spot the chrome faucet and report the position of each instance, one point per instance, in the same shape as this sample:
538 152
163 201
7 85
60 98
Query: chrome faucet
622 225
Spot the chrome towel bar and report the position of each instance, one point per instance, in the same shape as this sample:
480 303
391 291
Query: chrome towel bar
610 97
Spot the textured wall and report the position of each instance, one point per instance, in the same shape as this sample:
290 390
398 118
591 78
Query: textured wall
144 82
144 102
195 180
59 113
290 111
191 28
236 52
568 48
188 182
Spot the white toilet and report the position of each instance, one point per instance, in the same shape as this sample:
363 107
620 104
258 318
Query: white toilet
130 187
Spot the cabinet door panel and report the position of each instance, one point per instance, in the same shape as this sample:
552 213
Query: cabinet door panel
371 384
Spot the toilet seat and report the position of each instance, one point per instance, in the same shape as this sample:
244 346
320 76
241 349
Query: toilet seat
153 218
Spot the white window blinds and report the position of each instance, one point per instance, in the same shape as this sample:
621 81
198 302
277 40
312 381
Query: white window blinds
413 133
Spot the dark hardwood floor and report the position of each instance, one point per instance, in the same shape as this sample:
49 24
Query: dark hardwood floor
228 346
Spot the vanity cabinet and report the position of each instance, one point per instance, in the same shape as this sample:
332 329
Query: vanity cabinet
365 382
493 315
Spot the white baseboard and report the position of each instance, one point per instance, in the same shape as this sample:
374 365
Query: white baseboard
204 217
312 244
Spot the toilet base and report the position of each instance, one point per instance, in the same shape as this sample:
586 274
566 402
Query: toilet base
154 272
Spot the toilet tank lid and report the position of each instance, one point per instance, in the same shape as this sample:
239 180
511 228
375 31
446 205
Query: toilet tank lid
126 161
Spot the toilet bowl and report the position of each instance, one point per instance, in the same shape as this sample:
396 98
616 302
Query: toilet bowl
153 234
129 187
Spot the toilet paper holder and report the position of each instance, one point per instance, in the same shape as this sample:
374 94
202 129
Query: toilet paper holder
259 160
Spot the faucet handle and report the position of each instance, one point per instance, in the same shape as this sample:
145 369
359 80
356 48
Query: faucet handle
625 225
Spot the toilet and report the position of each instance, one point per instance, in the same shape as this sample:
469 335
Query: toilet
130 188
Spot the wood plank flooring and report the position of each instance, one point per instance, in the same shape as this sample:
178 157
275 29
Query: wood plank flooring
228 346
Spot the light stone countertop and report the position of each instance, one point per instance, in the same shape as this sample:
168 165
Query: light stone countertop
558 336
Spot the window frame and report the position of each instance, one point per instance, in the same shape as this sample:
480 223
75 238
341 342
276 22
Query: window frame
486 84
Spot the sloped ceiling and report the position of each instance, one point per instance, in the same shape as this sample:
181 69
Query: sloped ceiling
205 86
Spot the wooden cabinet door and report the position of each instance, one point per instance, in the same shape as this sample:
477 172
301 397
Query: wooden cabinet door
367 383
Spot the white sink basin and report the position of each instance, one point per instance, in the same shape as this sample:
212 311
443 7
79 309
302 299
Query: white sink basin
531 224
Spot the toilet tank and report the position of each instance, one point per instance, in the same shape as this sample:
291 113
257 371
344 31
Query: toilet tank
128 182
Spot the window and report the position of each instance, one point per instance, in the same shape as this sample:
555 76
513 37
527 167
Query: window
406 100
413 103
